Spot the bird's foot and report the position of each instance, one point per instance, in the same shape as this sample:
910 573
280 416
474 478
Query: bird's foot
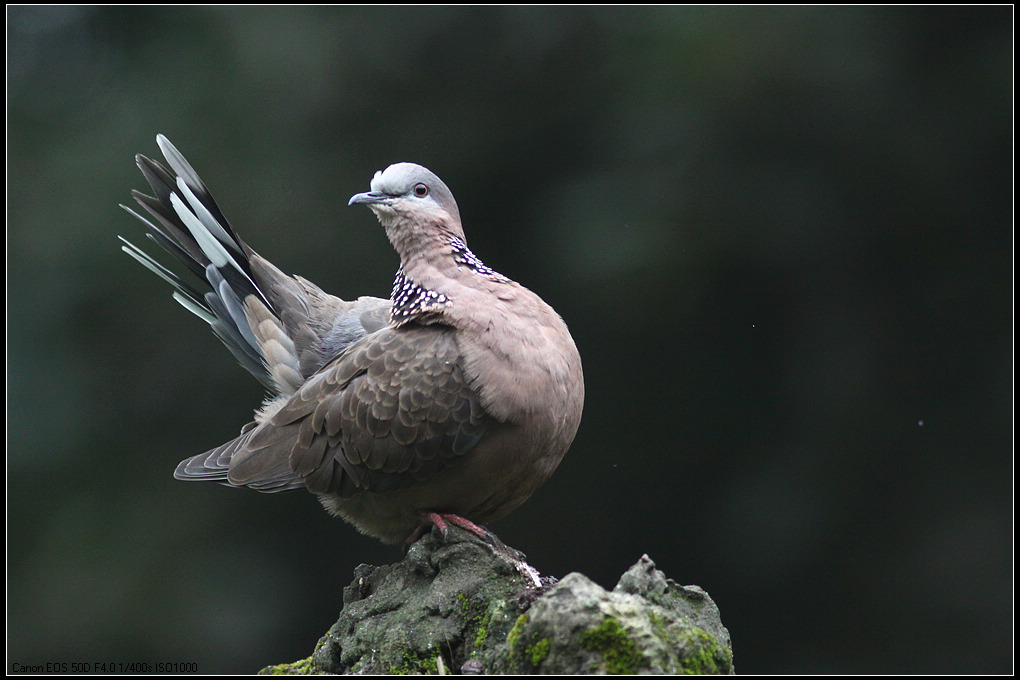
442 521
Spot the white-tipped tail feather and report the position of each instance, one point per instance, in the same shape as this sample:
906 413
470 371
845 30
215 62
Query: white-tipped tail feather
282 329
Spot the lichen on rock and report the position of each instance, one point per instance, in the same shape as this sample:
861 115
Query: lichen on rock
460 607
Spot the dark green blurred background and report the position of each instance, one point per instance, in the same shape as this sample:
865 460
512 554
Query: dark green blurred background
782 239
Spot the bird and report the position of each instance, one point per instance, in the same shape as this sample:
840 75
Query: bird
449 403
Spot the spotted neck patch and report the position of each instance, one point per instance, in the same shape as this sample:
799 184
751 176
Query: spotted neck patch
463 256
411 301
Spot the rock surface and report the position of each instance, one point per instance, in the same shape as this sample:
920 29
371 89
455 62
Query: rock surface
458 607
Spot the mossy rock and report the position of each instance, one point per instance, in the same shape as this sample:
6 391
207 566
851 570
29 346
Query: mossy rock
647 624
458 606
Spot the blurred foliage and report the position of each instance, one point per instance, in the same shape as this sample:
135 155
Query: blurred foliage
782 238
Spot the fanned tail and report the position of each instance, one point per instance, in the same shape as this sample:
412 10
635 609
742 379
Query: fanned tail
281 328
188 224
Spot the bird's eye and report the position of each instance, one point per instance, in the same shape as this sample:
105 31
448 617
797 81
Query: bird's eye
420 190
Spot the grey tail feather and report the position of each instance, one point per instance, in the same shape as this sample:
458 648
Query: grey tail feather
187 223
214 466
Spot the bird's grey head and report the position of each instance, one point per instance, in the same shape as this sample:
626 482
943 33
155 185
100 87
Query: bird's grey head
408 189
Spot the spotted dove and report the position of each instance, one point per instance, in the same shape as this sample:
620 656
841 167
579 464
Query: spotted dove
453 401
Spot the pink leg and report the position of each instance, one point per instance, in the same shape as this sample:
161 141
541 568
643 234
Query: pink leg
442 520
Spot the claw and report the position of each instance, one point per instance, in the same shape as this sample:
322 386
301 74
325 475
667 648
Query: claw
442 521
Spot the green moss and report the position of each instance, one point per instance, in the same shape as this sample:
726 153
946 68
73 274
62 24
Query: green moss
659 626
538 651
515 632
709 657
483 631
303 667
699 652
517 653
620 653
416 663
477 617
